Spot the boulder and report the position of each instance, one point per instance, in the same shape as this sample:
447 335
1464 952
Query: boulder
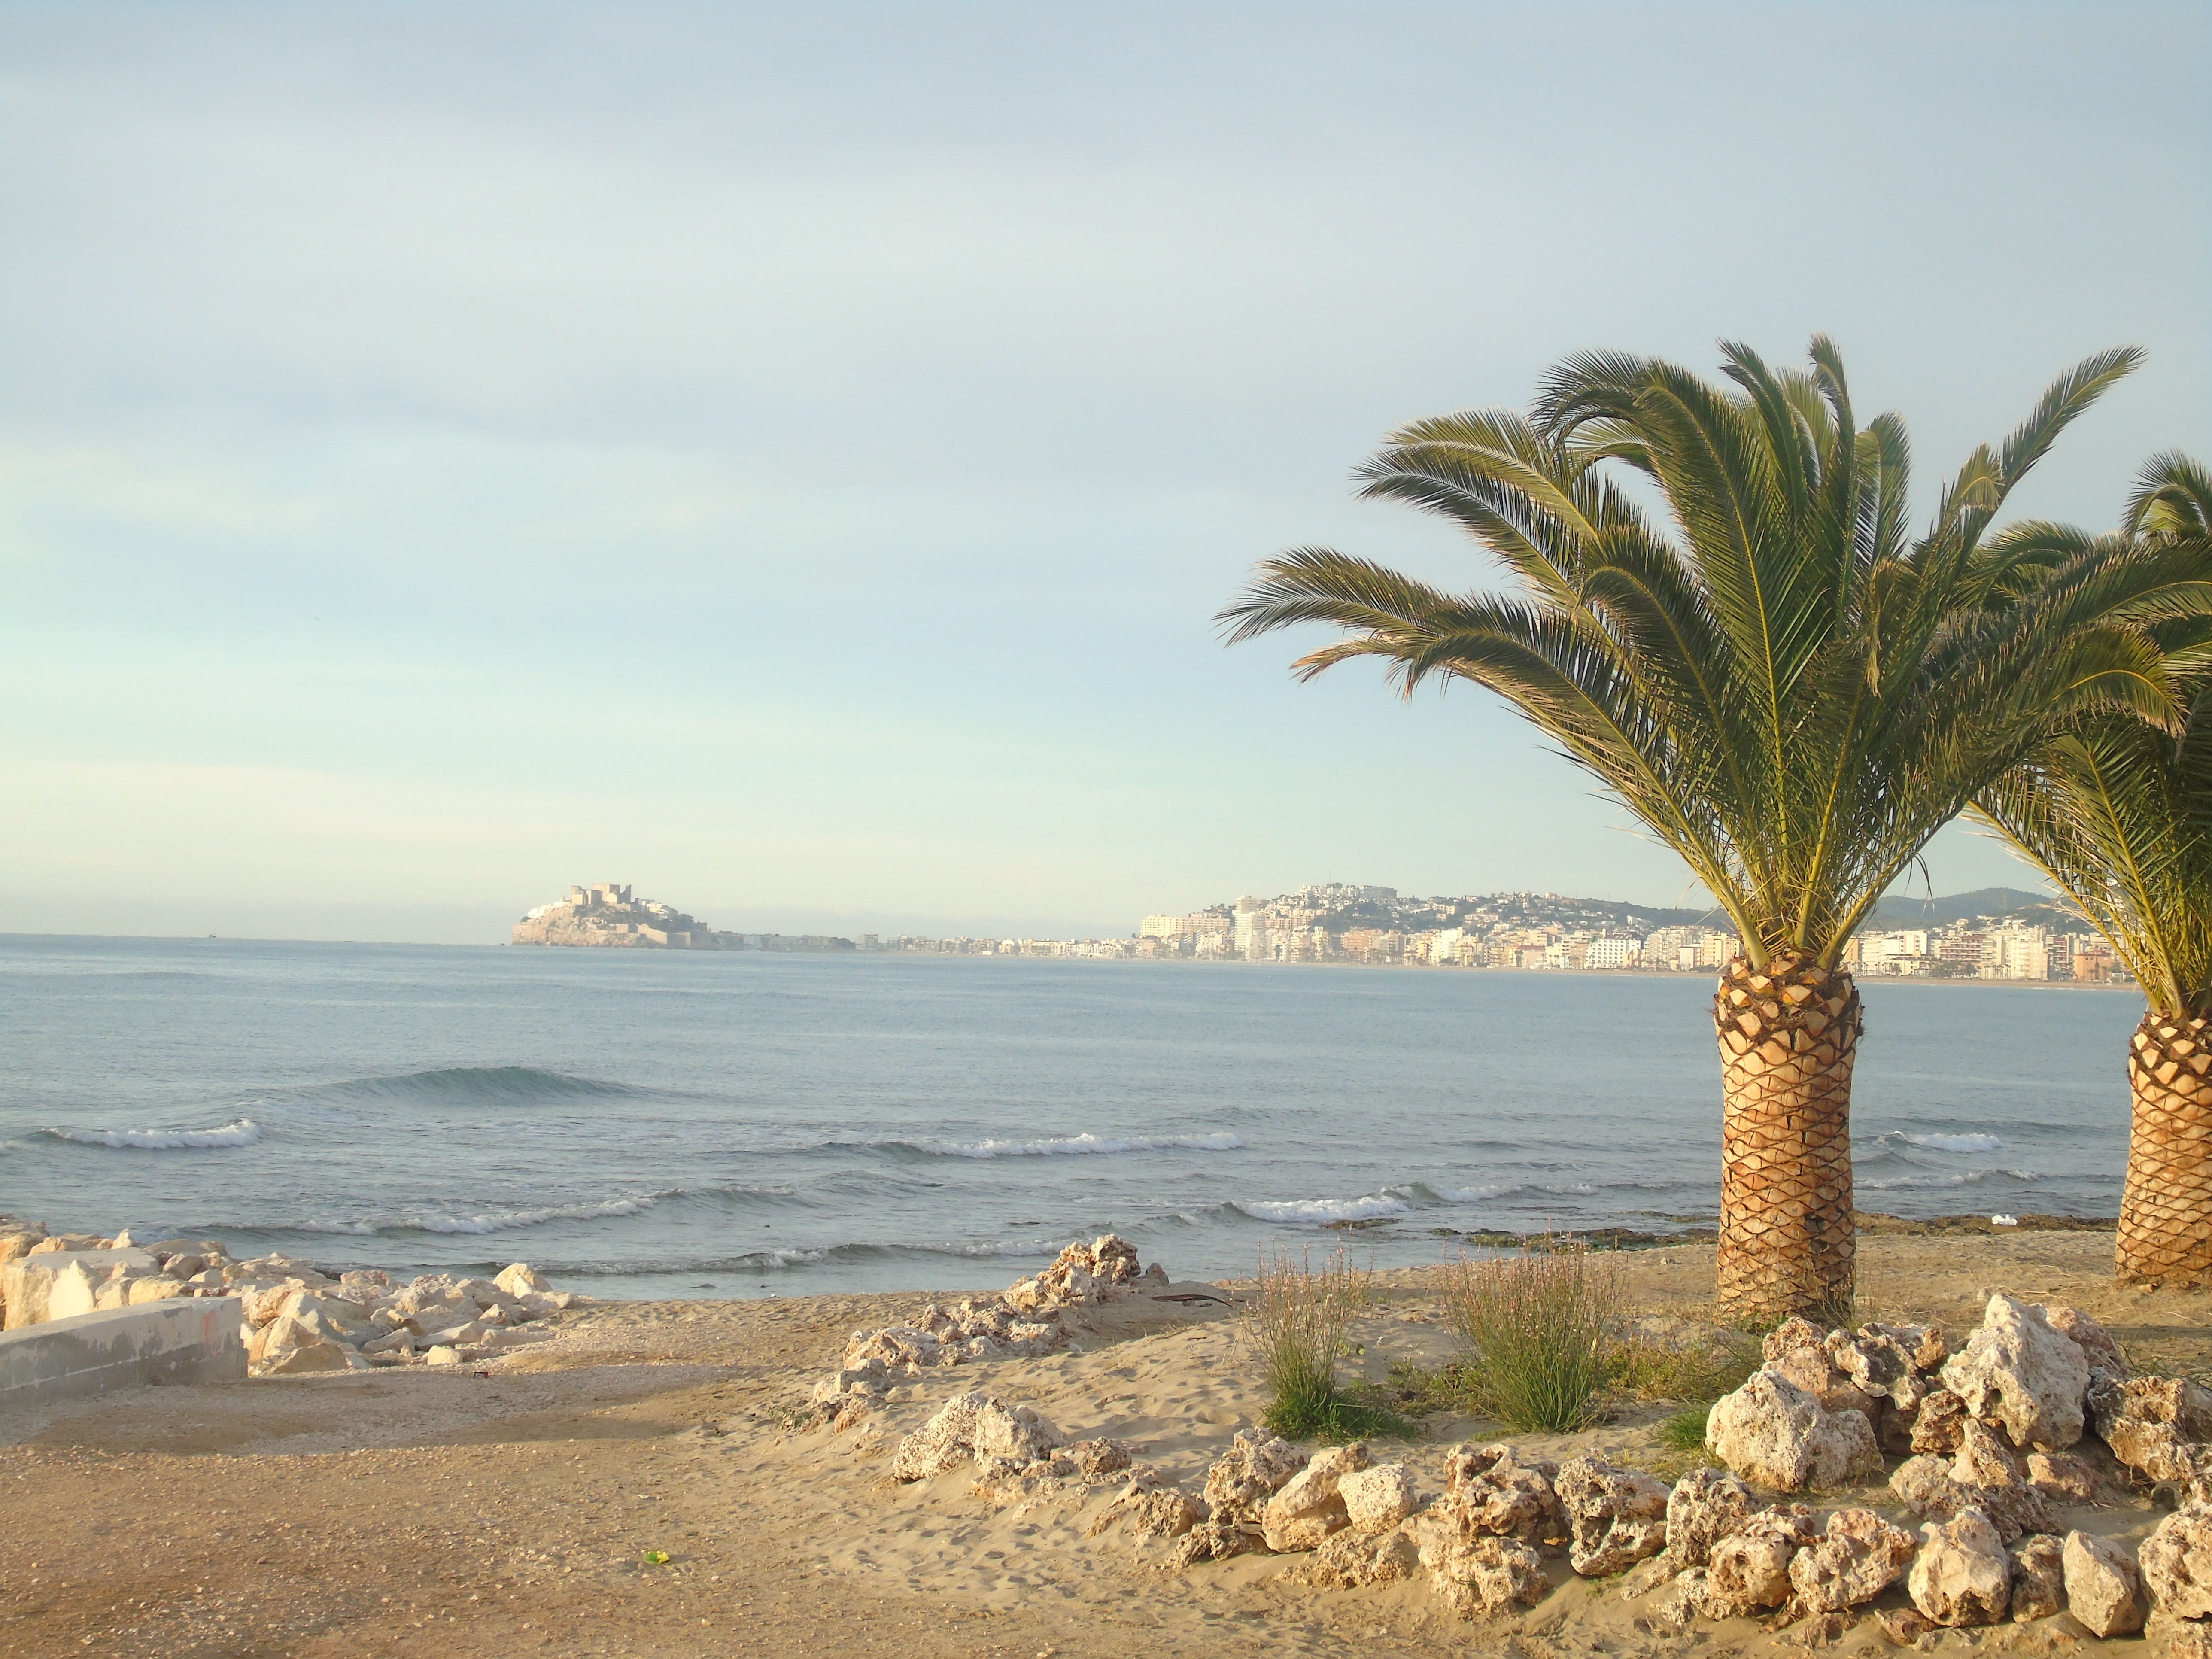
1749 1569
2152 1423
1962 1575
399 1342
2104 1590
1355 1560
1984 1475
1858 1557
1252 1470
2176 1562
1150 1509
1779 1437
1798 1350
142 1290
2063 1477
1483 1575
2039 1577
1307 1508
1705 1506
331 1316
1935 1426
2179 1639
1217 1539
974 1426
1879 1363
287 1346
1615 1516
1082 1275
2096 1343
1376 1499
1094 1460
2019 1371
518 1279
443 1353
1490 1493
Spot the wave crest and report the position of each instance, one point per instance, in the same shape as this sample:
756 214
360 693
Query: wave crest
1078 1145
1956 1143
239 1132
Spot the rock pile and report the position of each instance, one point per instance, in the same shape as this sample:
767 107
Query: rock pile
1020 1322
298 1318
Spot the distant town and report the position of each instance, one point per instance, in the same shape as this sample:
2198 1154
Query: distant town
1999 933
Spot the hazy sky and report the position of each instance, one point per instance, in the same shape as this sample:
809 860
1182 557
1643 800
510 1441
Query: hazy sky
789 457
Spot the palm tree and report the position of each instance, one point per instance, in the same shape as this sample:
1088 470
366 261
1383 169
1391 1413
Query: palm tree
1776 680
2119 814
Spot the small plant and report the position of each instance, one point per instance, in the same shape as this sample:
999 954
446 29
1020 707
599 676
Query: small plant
1684 1432
1296 1324
1538 1329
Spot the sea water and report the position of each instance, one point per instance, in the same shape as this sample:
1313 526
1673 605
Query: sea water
668 1124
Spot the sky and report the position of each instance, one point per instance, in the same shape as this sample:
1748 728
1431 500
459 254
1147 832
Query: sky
789 459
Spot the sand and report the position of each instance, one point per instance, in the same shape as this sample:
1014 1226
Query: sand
511 1512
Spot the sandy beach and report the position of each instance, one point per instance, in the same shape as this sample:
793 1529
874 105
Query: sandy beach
513 1506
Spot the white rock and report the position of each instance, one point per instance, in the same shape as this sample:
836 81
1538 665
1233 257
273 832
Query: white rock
1256 1466
1484 1575
2018 1370
1307 1508
2103 1588
2176 1561
1749 1568
1376 1499
1617 1516
1962 1575
518 1279
442 1354
2154 1425
1778 1436
1858 1557
1705 1506
2039 1577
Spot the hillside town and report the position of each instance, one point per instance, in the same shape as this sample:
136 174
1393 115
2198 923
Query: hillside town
1376 926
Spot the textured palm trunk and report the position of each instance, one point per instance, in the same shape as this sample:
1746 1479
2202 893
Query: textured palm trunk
1789 1033
2165 1212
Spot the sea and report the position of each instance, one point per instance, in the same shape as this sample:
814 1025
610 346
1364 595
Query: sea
672 1124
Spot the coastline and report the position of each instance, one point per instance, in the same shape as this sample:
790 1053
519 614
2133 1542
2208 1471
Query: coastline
519 1511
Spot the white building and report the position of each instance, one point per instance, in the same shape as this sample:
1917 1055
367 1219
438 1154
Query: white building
1612 951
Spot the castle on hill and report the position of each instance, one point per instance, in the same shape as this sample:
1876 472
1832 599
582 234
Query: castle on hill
607 915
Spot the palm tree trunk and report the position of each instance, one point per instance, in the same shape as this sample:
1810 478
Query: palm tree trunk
1789 1033
2165 1212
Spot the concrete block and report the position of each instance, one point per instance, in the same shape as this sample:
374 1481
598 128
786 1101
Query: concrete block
195 1339
27 1284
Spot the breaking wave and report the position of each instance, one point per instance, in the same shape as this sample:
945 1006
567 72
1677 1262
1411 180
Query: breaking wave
1076 1145
239 1132
496 1084
1962 1178
1956 1143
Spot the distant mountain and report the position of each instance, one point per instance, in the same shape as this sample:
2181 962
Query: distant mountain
2012 903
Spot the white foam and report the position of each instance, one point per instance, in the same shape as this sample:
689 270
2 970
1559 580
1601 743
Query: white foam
1318 1212
1957 1143
499 1221
1078 1145
242 1131
1965 1178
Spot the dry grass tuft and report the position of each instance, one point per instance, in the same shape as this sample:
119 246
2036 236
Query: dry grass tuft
1538 1329
1296 1324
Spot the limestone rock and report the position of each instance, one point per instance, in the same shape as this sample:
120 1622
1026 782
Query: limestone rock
1962 1575
1081 1275
1490 1492
2019 1372
1798 1350
339 1319
1376 1499
1935 1426
1358 1560
398 1341
1705 1506
1778 1436
1151 1510
2063 1477
1094 1460
1858 1557
1252 1470
2096 1343
975 1425
1483 1575
1749 1568
1879 1366
2103 1588
518 1279
2151 1422
286 1347
1307 1508
2179 1639
142 1290
1616 1516
1217 1540
2039 1577
1984 1475
442 1353
2176 1561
